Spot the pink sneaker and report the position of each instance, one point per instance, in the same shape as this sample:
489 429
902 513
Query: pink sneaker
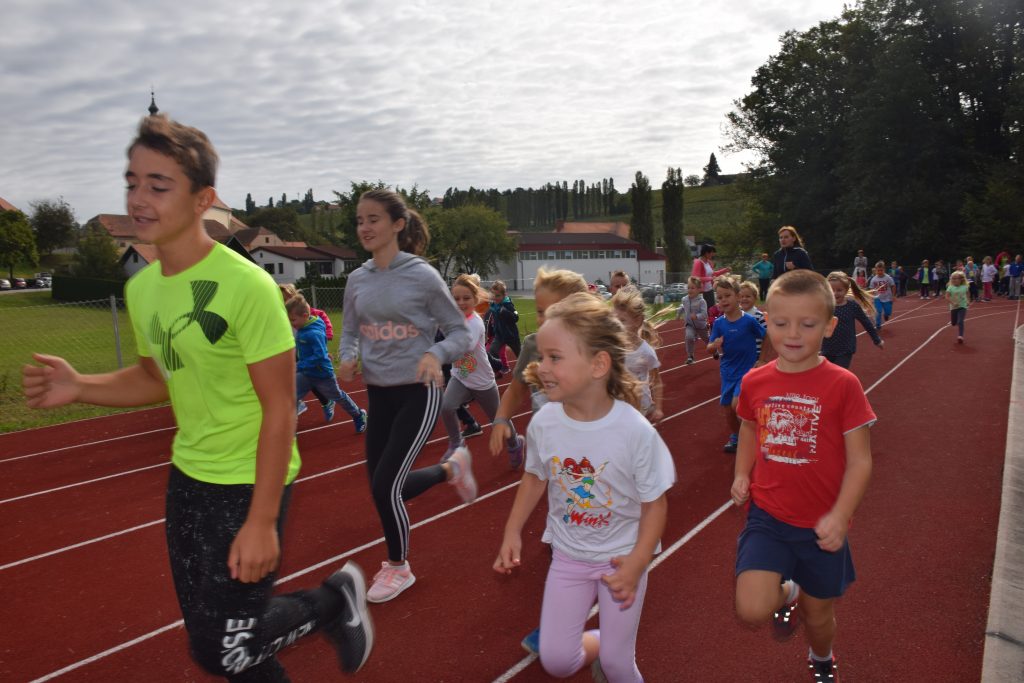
389 582
462 479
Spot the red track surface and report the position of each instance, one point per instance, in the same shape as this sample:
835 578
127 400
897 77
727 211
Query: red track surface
923 540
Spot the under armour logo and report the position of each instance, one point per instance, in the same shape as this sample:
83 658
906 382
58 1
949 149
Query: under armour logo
212 325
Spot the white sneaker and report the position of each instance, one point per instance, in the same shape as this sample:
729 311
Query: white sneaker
301 409
389 582
462 479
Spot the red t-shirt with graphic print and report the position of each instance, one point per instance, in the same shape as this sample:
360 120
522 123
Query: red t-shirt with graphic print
801 419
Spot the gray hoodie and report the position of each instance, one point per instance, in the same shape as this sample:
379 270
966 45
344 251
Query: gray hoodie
390 318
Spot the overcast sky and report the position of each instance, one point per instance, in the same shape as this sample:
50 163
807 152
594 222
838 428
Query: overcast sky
299 94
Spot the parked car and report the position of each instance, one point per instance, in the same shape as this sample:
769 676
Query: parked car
5 284
19 283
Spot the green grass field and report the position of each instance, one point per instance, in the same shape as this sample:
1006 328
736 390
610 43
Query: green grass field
83 334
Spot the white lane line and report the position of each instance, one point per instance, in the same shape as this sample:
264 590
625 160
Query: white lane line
66 548
106 653
81 483
145 525
89 443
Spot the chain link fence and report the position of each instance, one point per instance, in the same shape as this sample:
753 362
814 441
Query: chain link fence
94 336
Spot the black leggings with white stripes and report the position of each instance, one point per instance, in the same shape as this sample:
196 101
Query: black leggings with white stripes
401 419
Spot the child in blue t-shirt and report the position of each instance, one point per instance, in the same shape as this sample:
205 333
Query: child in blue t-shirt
735 336
314 368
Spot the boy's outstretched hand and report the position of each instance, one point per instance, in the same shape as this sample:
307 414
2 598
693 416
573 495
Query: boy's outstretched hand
54 384
254 552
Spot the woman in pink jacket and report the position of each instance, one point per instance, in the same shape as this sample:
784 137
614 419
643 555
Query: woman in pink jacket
704 270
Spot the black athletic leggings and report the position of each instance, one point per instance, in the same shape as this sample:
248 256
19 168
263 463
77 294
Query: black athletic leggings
234 628
401 419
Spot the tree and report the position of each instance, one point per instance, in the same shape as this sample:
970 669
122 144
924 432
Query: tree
97 255
468 239
711 172
888 128
54 224
17 243
642 221
282 221
692 180
672 221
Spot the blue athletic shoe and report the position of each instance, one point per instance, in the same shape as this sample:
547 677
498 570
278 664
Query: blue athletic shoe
531 643
360 422
329 411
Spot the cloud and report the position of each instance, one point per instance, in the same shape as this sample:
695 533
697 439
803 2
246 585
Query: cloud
303 94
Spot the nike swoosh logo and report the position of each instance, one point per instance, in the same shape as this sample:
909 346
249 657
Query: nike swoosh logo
355 620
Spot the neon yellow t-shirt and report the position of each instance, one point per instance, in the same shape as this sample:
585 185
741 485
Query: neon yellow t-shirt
203 327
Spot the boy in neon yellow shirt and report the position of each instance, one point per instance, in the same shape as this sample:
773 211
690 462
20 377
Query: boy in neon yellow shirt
214 339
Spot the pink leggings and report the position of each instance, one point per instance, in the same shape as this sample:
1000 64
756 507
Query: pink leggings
571 589
987 288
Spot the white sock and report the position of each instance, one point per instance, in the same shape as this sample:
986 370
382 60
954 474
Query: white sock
816 658
793 591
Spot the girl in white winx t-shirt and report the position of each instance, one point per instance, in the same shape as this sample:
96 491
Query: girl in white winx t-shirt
605 470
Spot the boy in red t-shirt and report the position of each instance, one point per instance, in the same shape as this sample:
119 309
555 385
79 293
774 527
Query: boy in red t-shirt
803 463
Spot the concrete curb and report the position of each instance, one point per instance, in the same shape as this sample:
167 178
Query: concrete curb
1004 635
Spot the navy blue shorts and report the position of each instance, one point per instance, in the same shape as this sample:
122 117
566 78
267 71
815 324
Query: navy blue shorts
730 390
770 545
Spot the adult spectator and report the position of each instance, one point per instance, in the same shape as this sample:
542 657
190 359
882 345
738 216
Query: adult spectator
763 272
791 254
704 270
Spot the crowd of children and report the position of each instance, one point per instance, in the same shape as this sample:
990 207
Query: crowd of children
592 448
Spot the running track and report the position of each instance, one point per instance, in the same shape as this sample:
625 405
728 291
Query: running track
87 594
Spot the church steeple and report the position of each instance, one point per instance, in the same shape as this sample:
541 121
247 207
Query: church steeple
152 103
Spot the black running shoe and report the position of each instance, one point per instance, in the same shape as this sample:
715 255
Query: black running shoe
351 633
824 672
472 430
784 621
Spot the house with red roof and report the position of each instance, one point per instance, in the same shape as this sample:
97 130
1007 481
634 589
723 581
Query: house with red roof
290 263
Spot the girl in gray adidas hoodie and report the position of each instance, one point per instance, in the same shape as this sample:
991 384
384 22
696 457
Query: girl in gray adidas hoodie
394 304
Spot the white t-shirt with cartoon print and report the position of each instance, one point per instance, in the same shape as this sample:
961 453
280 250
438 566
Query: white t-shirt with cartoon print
598 474
473 368
640 361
